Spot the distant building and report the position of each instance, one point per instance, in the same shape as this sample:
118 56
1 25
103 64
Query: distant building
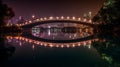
21 20
88 15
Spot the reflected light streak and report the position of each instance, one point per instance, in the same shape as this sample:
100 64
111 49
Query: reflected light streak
58 45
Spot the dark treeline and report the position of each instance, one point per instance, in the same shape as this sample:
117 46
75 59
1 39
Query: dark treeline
6 13
108 17
109 29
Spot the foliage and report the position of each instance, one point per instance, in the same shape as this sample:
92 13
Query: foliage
6 13
109 12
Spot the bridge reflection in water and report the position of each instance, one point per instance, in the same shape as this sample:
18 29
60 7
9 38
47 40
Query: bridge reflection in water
20 40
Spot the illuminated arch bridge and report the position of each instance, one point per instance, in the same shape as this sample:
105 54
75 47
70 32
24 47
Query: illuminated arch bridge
45 20
83 38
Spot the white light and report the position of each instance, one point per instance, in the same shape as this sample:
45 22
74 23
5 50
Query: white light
45 44
57 18
38 43
49 26
85 20
7 24
19 24
90 21
79 44
57 45
30 41
10 24
68 46
62 17
49 33
68 17
33 16
20 44
26 22
30 21
41 44
73 18
20 17
33 46
51 18
23 24
51 45
41 19
84 43
79 19
89 46
37 19
45 18
73 45
62 46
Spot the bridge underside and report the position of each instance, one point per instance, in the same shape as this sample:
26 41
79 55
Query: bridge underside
56 21
30 36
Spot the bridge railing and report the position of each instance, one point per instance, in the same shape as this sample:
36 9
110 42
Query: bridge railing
57 18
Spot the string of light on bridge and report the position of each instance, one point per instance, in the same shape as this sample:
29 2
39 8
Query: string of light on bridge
57 45
56 18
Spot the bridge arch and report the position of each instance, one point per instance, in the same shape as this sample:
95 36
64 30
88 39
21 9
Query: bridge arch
29 24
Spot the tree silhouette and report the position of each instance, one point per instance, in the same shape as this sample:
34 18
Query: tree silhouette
108 17
109 12
6 13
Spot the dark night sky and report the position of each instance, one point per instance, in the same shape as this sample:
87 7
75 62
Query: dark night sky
46 8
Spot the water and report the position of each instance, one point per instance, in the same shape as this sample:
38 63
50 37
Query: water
40 56
101 51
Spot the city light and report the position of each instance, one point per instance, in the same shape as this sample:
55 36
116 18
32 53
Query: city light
33 16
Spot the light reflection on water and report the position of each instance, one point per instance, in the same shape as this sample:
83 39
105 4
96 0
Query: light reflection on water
30 53
37 53
48 44
61 31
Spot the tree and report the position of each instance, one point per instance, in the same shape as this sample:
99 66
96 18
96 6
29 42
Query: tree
109 12
6 13
108 18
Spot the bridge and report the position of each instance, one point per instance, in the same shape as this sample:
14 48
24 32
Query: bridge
29 24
